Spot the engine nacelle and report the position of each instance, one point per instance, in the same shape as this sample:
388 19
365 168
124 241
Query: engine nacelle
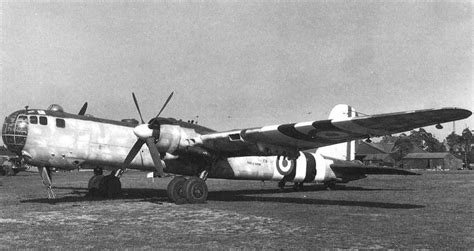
170 136
175 137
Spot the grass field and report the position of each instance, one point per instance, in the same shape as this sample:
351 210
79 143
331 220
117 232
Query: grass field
433 211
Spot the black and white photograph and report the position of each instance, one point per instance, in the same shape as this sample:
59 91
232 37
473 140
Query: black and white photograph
229 124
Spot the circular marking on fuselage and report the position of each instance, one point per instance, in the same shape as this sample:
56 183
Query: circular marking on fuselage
285 166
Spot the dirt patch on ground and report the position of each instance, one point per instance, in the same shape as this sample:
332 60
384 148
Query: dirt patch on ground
429 211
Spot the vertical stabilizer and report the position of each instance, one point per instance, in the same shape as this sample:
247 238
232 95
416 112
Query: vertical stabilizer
342 151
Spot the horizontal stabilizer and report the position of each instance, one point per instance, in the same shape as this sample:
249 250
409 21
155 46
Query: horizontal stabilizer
346 169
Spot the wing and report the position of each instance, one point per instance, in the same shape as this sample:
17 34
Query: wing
288 139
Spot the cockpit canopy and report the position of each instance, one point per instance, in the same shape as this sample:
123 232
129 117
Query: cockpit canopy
55 108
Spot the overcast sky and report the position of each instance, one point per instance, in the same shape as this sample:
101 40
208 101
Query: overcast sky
235 64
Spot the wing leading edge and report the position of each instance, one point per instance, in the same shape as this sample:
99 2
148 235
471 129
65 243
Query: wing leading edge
288 139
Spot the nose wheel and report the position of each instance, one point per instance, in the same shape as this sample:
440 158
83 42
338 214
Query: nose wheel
193 190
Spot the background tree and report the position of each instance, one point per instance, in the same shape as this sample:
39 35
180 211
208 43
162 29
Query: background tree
466 142
454 142
402 147
389 139
426 141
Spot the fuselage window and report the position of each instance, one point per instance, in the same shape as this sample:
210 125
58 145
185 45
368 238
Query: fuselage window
33 120
43 120
60 123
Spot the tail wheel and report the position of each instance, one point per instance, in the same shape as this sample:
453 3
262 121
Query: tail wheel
195 190
175 190
330 186
298 186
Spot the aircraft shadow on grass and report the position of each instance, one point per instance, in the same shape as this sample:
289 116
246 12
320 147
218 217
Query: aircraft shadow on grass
160 196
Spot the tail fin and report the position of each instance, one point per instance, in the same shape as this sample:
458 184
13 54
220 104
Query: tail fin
342 151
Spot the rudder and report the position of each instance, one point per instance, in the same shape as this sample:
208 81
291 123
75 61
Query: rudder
342 151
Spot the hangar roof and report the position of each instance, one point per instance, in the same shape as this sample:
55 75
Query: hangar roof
439 155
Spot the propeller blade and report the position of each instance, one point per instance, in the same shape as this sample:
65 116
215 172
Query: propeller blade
155 155
166 103
138 108
83 109
133 152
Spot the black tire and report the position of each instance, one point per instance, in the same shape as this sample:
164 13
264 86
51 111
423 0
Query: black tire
195 190
298 186
110 187
331 186
281 185
9 171
175 190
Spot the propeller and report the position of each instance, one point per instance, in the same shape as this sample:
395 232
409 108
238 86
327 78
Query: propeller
138 107
83 109
148 134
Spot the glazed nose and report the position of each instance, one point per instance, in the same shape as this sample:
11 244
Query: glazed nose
15 132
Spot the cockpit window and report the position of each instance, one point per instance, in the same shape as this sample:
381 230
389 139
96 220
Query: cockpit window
43 120
21 125
60 123
33 120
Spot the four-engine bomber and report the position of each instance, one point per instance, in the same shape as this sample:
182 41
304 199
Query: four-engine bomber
315 151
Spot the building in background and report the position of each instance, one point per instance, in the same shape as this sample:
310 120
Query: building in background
382 154
440 161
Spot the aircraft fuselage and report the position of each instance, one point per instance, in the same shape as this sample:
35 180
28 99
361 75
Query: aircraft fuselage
68 141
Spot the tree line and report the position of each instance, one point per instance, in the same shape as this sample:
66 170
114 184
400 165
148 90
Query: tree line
459 145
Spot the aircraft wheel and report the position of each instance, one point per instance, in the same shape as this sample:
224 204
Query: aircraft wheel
330 186
298 186
195 190
281 185
9 171
175 190
110 187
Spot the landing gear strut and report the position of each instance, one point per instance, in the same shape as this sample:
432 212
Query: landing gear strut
45 173
193 190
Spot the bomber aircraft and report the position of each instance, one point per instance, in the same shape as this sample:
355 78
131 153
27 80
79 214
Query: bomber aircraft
51 138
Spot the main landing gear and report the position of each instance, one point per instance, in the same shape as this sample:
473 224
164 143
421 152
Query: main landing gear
108 186
192 190
330 186
180 190
298 186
